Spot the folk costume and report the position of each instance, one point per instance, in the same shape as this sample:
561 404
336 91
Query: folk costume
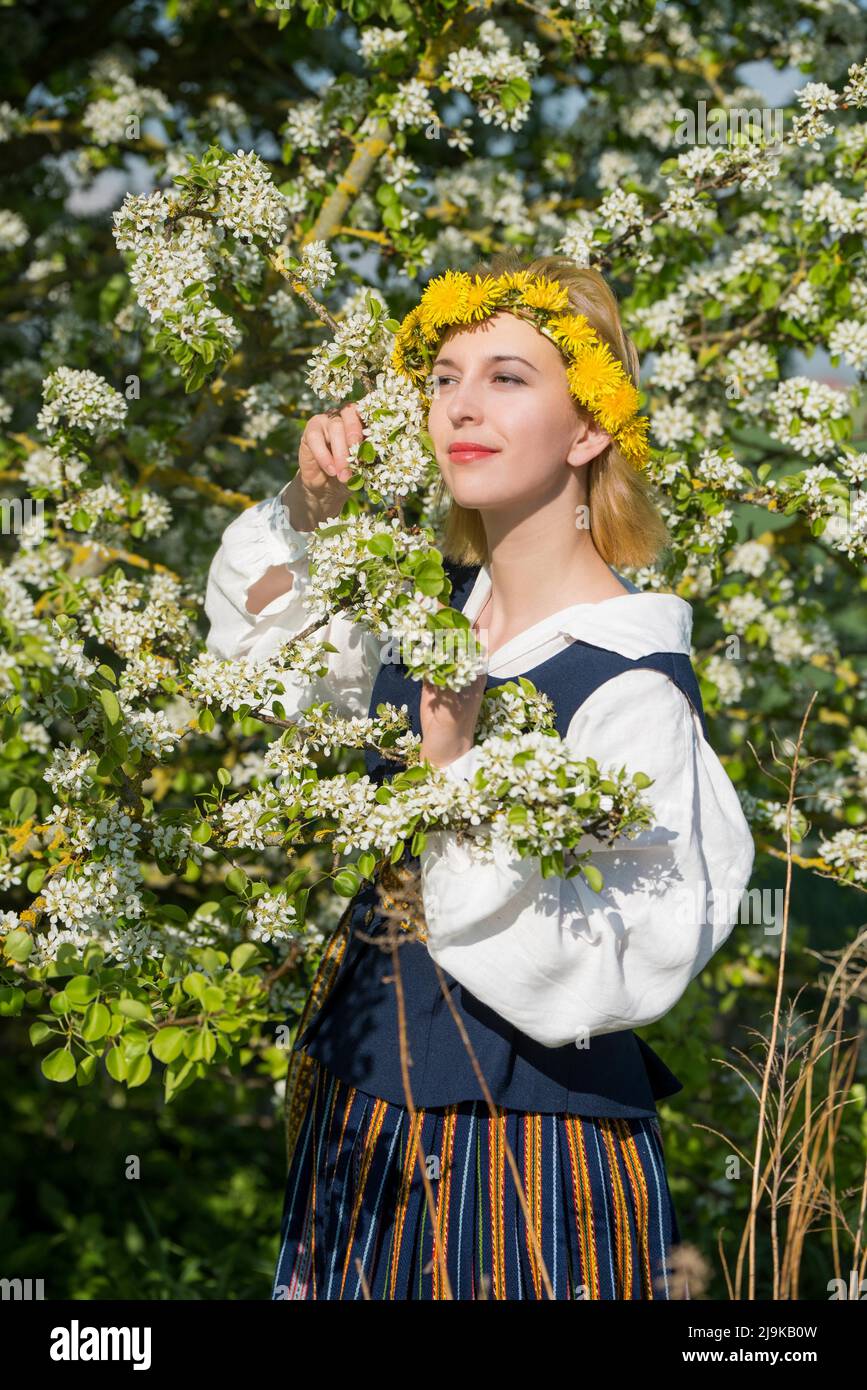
541 981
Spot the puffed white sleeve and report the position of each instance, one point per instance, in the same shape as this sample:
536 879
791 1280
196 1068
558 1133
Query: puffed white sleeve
562 962
261 537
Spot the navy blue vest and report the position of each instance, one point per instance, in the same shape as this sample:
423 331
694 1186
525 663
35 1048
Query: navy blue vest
355 1034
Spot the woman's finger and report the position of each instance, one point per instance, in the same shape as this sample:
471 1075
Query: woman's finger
336 433
316 442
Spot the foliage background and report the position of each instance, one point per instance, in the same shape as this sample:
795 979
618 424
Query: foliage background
202 1221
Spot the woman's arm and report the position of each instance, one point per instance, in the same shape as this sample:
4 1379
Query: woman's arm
254 602
562 962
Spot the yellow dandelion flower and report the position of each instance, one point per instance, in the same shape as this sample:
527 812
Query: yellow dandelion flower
632 441
483 296
404 341
516 280
594 373
543 293
572 331
618 407
444 301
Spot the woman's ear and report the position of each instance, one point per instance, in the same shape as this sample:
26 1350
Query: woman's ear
590 439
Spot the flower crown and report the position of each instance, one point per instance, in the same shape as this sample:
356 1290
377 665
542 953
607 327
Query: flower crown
596 377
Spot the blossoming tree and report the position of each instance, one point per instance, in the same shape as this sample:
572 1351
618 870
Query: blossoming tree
193 266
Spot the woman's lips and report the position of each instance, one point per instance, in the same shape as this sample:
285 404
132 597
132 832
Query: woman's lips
462 454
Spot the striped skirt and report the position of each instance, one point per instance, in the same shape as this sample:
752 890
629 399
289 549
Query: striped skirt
383 1203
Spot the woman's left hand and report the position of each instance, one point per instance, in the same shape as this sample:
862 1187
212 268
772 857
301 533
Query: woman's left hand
448 720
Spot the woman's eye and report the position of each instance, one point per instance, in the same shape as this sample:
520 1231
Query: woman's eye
436 382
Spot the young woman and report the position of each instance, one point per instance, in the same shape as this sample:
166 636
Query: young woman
547 978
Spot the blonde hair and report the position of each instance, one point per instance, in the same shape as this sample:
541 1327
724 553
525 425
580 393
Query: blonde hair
625 521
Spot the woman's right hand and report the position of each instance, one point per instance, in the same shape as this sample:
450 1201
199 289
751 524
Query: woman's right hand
323 454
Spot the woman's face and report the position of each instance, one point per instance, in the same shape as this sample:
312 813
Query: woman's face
503 384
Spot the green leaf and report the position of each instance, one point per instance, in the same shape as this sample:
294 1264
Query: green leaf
59 1065
168 1044
11 1001
86 1070
593 877
110 705
97 1022
38 1032
201 1046
18 945
81 989
36 878
132 1008
244 955
206 721
115 1064
381 545
346 882
138 1070
22 803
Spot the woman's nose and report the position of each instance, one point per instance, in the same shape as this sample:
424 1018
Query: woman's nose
463 404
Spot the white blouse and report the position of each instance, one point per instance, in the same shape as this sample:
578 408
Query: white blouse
558 960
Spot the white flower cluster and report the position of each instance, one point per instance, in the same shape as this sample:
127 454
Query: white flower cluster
410 106
263 413
847 851
132 617
317 265
802 410
379 43
81 400
837 494
99 502
513 708
168 262
96 900
726 677
802 303
47 468
750 557
334 366
250 205
70 770
722 470
118 118
13 230
577 240
240 820
173 845
822 202
228 684
144 672
272 918
18 607
309 127
773 815
11 121
485 69
338 556
855 91
674 369
394 417
751 365
848 339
